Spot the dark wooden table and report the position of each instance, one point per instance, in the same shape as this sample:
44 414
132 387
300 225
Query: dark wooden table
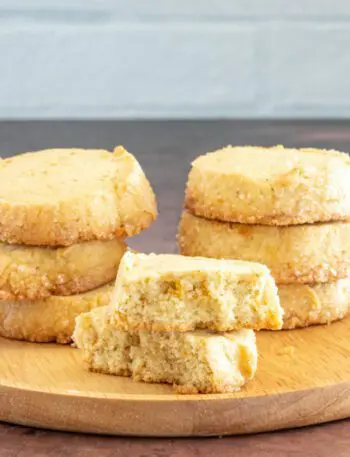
165 150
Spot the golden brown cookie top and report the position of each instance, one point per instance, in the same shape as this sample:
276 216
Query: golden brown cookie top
273 186
263 163
63 196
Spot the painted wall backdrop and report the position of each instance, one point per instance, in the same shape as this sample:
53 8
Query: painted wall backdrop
174 58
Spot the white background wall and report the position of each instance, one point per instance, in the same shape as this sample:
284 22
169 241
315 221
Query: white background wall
174 58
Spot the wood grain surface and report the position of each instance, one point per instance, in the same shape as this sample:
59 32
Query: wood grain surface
303 378
165 150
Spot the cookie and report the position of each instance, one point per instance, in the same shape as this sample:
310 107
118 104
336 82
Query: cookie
58 197
175 293
28 272
308 253
271 186
193 362
306 305
51 319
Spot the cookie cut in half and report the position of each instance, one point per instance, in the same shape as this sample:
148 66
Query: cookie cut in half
272 186
308 253
194 362
66 196
306 305
51 319
29 272
176 293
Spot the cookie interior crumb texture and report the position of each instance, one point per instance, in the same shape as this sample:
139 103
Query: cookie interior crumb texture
194 362
176 293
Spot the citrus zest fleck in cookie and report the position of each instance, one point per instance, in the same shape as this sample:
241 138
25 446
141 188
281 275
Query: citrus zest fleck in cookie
306 305
51 319
194 362
66 196
29 272
272 186
176 293
307 253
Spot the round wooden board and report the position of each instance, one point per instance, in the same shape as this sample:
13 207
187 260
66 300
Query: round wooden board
303 378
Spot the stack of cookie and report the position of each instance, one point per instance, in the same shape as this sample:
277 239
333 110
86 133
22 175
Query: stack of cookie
64 215
286 208
182 320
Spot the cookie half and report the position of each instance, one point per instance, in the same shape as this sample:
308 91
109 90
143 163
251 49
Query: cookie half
193 362
30 272
51 319
308 253
306 305
59 197
166 292
272 186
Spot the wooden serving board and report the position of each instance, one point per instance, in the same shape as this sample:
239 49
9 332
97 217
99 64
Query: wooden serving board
303 378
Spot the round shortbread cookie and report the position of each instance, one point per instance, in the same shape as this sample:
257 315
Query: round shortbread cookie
29 272
295 254
65 196
306 305
51 319
272 186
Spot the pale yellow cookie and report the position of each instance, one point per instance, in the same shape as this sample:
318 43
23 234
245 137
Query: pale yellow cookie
306 305
307 253
175 293
65 196
51 319
193 362
272 186
29 272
